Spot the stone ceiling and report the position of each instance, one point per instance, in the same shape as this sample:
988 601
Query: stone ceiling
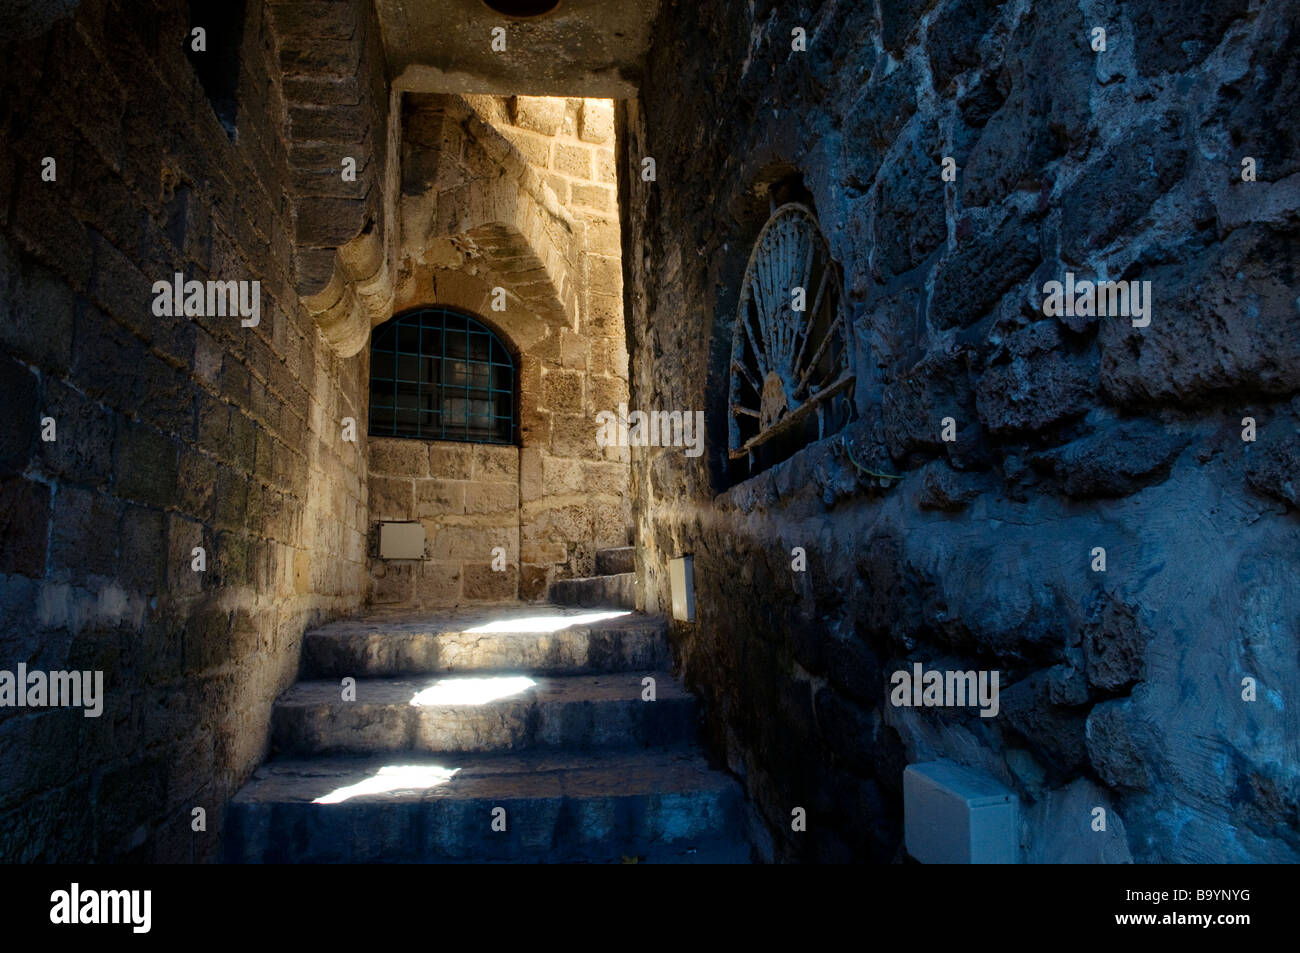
591 48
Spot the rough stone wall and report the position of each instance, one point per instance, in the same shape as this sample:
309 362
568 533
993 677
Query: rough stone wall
171 433
518 194
1120 689
336 107
467 497
574 492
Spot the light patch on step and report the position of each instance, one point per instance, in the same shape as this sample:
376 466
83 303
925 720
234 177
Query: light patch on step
392 777
472 691
546 623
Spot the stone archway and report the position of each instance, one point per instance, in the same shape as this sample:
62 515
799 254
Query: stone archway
482 232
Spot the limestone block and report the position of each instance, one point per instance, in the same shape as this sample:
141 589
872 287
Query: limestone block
437 583
562 392
491 499
593 196
572 160
597 121
493 464
439 497
482 583
542 114
531 482
393 456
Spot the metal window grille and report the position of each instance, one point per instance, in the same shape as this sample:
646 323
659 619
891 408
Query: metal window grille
437 374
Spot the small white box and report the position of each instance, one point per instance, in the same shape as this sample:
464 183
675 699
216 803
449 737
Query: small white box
401 540
681 574
957 815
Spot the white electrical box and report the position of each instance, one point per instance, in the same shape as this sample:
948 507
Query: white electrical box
681 574
957 815
401 540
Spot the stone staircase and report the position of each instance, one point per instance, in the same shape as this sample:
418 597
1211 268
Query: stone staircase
613 585
536 710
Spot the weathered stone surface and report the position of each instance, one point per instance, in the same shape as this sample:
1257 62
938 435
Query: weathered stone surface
17 391
957 31
1125 163
1256 122
616 591
1273 462
1118 745
897 19
944 488
1062 828
1056 734
539 113
969 283
618 559
24 522
911 220
535 639
1173 36
1223 319
662 806
1032 394
874 121
172 432
576 711
914 407
1115 462
1114 647
1120 186
1044 114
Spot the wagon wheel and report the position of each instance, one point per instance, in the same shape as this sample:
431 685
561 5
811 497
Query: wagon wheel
787 364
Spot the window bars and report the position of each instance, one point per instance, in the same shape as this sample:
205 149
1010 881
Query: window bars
438 374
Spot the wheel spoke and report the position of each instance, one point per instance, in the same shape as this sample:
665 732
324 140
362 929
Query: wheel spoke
789 253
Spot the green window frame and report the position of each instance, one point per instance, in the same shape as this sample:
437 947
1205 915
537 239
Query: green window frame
441 374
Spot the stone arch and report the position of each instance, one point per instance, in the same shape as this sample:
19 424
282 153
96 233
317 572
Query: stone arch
473 206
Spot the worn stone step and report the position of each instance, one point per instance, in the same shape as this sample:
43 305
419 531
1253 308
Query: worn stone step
554 640
482 713
607 806
615 591
615 561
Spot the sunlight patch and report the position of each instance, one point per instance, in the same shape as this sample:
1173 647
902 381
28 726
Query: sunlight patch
393 777
472 691
548 623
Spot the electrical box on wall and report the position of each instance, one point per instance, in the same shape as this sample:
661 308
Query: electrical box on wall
957 815
681 575
401 540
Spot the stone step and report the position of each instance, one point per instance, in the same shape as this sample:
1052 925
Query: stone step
612 806
614 591
614 561
482 713
551 640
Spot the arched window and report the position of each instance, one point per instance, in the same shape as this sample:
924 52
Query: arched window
438 374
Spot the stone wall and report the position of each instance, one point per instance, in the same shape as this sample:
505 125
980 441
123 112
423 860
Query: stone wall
467 497
518 194
1120 688
171 433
